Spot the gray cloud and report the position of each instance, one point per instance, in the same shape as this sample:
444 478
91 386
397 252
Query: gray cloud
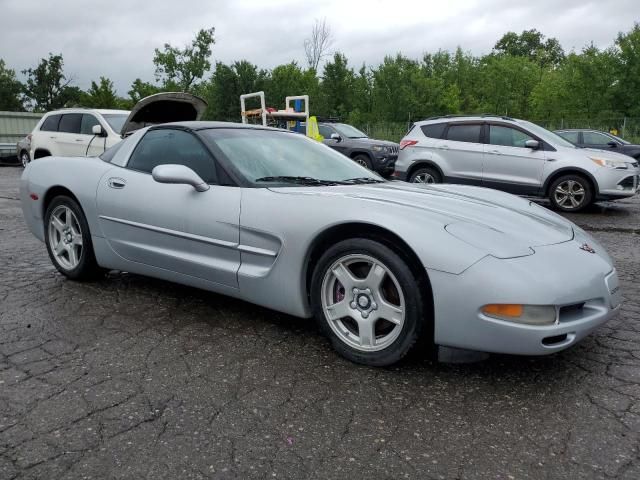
117 38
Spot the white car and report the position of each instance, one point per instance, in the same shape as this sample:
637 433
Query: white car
82 132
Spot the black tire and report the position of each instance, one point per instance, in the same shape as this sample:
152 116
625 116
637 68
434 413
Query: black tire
24 158
580 198
87 268
425 175
363 160
415 325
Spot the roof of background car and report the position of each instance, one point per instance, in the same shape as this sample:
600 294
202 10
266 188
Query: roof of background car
467 118
101 111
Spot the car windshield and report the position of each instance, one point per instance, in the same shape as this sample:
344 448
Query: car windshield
266 157
115 120
621 140
548 136
349 131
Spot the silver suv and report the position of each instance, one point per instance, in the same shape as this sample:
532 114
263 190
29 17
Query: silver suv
515 156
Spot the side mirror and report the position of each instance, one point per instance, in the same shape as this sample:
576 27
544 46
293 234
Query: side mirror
612 144
97 131
336 137
180 174
533 144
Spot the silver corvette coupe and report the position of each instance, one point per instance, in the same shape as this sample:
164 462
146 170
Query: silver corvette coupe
282 221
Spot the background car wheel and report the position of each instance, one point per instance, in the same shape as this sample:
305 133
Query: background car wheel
426 175
367 301
24 158
570 193
363 160
68 240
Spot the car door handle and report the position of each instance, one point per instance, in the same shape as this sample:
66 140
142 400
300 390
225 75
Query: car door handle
115 182
53 138
78 139
444 147
495 152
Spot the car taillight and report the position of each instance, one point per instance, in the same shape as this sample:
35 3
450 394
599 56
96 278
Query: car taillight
407 143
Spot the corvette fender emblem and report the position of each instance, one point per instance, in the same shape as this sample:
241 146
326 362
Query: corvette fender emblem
587 248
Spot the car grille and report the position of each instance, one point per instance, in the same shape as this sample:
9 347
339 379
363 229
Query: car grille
394 149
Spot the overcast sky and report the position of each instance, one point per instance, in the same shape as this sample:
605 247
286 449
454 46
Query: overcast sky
117 38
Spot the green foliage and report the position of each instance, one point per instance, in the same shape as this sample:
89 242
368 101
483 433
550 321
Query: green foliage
47 88
531 44
101 95
10 89
180 68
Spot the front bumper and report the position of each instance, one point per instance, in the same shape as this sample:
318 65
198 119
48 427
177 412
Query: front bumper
583 287
614 183
384 164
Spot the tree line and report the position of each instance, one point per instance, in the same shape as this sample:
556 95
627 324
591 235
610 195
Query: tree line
526 75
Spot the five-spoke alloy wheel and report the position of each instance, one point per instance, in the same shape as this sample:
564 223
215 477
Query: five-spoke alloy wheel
570 193
68 239
368 301
425 175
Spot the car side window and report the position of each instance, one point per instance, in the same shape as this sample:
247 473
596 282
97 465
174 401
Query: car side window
88 121
433 130
507 136
50 123
325 131
70 123
166 146
570 136
595 138
465 132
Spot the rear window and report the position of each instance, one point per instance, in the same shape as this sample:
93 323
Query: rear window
433 130
70 123
50 123
464 133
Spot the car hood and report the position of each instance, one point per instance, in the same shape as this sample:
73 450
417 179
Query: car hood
164 108
501 224
605 154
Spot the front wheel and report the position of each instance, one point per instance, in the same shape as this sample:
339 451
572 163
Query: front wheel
367 301
570 193
68 239
364 161
24 158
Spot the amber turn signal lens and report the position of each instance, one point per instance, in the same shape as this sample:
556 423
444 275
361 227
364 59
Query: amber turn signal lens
503 310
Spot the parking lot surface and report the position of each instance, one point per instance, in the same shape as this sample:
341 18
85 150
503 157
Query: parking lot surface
130 377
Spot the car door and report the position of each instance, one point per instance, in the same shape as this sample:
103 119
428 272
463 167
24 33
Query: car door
91 144
339 145
509 164
172 226
69 140
460 153
598 140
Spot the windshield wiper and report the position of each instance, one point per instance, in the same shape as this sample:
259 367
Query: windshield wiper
298 180
362 180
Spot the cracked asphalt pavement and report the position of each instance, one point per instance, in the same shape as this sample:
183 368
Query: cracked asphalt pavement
130 377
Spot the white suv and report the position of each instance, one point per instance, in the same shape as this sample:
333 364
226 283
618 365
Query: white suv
82 132
515 156
77 132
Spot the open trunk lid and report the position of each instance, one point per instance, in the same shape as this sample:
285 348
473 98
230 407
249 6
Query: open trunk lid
163 108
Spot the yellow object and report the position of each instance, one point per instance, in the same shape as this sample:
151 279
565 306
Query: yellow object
503 310
312 129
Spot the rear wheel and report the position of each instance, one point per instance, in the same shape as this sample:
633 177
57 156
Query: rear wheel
571 193
367 301
68 240
425 175
363 160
